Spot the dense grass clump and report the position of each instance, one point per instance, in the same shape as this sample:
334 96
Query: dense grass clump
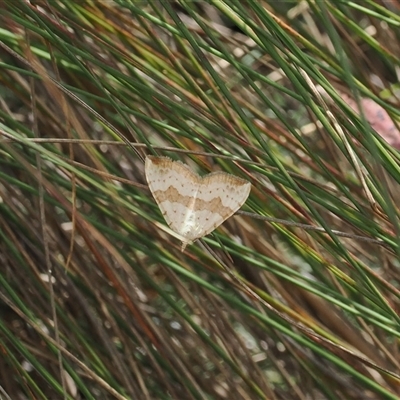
297 296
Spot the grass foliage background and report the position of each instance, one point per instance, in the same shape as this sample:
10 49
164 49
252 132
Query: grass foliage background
96 299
